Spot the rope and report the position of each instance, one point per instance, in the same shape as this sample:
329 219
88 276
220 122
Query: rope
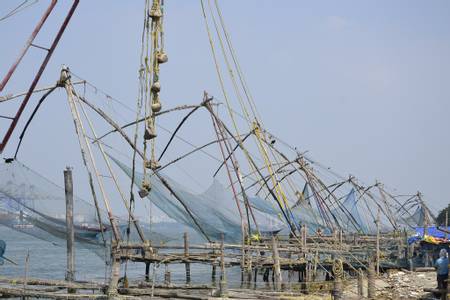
85 144
18 9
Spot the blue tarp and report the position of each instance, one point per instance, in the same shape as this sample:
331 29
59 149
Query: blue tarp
432 231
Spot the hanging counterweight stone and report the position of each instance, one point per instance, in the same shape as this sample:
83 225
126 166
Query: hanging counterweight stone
143 193
162 57
155 11
150 133
146 188
156 105
156 87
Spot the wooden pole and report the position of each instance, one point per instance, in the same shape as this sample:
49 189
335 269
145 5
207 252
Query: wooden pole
338 274
27 262
68 184
360 283
167 276
378 244
337 289
371 281
446 223
147 271
213 275
276 264
115 273
186 254
223 278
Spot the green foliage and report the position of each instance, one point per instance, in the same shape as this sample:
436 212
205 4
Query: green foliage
440 220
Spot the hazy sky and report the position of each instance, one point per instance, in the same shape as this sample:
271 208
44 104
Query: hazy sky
363 85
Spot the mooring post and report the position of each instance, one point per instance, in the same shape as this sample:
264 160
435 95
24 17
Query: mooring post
360 283
223 277
187 265
371 281
276 264
68 185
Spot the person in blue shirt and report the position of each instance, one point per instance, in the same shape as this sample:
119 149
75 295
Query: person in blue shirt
441 266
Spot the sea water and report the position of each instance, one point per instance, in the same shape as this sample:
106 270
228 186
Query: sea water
48 261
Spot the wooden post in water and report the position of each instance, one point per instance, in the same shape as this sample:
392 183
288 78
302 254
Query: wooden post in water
276 264
115 272
223 277
68 185
371 281
213 271
378 244
166 274
186 255
213 275
147 271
